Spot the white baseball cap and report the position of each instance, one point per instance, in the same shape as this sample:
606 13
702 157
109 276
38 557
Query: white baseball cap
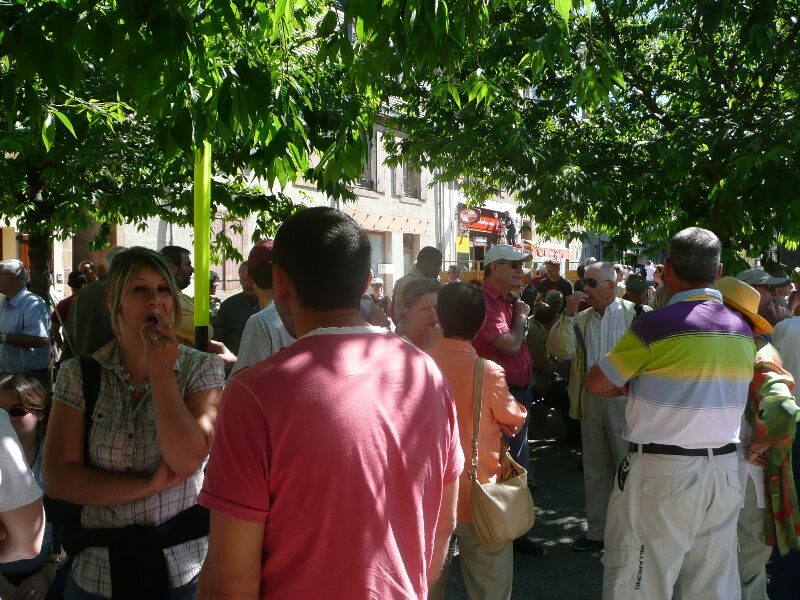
504 252
376 281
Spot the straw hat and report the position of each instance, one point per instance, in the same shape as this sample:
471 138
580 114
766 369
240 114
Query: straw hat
742 297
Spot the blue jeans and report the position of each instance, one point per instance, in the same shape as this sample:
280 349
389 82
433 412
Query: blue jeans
185 592
518 445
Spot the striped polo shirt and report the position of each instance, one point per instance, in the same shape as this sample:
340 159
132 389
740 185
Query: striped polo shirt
688 367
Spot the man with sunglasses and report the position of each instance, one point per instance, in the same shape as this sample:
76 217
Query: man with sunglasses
585 336
501 339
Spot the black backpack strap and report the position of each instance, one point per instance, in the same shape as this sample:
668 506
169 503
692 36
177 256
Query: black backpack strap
65 513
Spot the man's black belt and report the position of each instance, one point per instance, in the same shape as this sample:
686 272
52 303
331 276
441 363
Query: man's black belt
519 388
680 451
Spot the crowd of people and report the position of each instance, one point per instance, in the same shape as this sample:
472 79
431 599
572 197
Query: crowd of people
319 447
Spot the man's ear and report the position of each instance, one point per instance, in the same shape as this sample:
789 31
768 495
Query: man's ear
668 275
719 272
282 286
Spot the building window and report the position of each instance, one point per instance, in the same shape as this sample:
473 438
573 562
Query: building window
370 171
396 190
376 242
409 250
411 182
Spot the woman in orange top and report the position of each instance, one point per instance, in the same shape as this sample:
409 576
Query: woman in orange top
487 572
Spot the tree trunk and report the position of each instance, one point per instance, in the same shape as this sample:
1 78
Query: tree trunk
39 252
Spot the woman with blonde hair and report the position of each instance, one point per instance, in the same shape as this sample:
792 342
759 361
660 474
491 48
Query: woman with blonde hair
135 461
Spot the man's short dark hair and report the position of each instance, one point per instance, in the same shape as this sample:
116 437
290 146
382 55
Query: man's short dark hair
461 310
694 254
213 277
429 255
174 254
326 256
581 271
76 279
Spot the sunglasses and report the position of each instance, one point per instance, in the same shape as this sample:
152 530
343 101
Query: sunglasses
514 264
593 283
17 412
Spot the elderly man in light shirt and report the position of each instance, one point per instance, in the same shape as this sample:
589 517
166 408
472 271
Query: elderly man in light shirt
24 325
586 337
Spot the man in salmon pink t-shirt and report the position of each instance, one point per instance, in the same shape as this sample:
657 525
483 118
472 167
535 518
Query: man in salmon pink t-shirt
334 471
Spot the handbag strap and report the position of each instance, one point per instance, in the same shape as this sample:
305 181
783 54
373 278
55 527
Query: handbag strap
477 397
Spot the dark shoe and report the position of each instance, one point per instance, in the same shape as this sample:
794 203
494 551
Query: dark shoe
586 545
525 545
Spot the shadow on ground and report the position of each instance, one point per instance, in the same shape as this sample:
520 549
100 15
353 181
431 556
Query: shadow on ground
561 573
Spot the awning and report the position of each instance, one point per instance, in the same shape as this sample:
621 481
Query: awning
545 250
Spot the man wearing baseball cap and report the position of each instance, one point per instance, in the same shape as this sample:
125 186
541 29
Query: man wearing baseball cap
763 282
264 333
502 340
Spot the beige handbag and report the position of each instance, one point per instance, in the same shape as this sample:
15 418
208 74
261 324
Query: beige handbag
503 510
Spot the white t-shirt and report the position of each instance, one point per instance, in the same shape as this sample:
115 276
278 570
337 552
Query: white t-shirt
18 486
650 270
264 334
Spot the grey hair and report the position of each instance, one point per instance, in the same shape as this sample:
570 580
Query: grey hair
605 269
454 269
694 254
110 254
14 267
243 270
589 261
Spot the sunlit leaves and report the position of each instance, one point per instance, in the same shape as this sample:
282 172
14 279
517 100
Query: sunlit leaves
563 7
630 118
48 131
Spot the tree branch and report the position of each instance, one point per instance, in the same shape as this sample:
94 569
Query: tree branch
645 96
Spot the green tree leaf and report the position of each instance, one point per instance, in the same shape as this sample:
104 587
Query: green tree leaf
63 118
563 7
48 131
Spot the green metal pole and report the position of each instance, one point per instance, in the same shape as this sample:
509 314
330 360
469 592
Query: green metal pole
202 243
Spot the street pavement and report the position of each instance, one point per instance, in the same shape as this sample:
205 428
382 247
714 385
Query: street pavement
561 573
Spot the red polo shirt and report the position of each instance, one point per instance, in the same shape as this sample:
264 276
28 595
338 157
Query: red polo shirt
499 317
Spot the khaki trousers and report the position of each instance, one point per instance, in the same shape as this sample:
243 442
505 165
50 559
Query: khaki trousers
753 550
671 529
603 450
487 572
